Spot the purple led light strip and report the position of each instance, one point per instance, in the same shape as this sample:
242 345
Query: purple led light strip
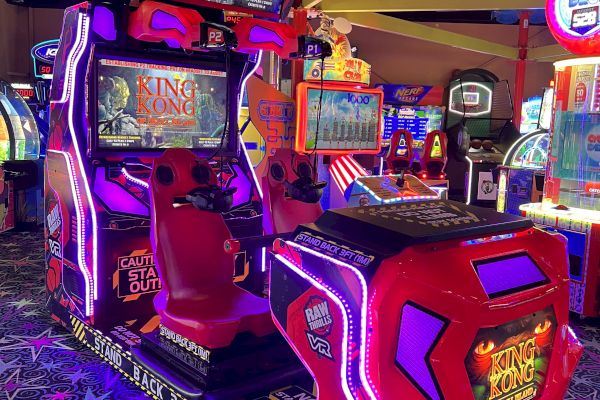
79 214
338 302
134 179
364 315
82 30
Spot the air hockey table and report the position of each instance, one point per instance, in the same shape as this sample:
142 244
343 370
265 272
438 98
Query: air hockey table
426 300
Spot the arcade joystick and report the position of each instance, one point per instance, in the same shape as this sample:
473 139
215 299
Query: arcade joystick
400 181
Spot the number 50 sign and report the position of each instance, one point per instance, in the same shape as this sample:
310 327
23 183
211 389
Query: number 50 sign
575 24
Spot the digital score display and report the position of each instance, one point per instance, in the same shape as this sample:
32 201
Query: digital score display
270 8
43 55
575 24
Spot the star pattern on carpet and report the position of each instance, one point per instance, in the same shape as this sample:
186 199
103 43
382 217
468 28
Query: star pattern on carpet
22 303
90 396
37 343
5 366
14 385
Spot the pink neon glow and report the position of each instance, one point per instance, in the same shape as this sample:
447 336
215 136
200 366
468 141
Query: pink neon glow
364 315
79 214
71 79
338 302
133 179
239 105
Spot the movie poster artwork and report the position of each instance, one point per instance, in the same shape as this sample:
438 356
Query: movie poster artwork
510 361
347 120
154 106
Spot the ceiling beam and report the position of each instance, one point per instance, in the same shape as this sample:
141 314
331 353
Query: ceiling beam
547 53
423 32
310 3
362 6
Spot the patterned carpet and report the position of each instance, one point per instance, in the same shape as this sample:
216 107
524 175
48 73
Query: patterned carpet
40 360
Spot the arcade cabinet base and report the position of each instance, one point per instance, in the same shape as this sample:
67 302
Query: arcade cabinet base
164 369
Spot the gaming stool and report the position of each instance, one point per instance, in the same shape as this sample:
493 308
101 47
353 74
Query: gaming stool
291 197
198 299
435 154
400 159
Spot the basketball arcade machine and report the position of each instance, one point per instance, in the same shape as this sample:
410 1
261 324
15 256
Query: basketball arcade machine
130 83
571 200
480 132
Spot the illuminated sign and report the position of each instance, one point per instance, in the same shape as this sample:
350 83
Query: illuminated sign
575 24
351 70
43 55
137 275
510 361
25 90
471 99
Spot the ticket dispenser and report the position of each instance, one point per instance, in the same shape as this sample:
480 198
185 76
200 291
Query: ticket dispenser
426 300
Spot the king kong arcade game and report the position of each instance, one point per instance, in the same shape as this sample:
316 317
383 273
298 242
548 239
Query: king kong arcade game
136 265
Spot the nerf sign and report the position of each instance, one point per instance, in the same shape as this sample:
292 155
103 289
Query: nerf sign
351 70
509 362
412 94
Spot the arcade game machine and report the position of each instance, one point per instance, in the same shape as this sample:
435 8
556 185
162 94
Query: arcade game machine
132 86
480 132
571 200
19 144
521 177
416 108
365 302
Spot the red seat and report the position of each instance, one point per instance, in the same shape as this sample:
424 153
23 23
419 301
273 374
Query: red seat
198 299
435 155
400 155
283 214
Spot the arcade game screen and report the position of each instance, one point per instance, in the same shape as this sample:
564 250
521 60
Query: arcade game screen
349 120
472 101
577 131
22 121
530 114
418 120
152 106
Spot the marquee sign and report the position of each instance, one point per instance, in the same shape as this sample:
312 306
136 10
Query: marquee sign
575 24
43 55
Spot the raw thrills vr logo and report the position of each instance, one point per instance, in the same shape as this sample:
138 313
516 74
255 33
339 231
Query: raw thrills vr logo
158 96
319 322
513 369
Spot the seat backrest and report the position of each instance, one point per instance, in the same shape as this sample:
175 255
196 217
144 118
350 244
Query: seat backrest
282 214
435 153
188 242
401 154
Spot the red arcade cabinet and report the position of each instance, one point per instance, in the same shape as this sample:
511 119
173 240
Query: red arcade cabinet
367 304
132 86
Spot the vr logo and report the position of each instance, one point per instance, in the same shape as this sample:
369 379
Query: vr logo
215 37
319 345
55 249
356 99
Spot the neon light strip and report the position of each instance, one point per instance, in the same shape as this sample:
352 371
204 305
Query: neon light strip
79 214
263 262
75 49
470 114
134 179
83 28
364 315
338 302
470 179
239 110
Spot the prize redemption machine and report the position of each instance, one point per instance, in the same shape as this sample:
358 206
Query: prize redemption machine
159 84
416 108
480 132
19 144
571 200
521 177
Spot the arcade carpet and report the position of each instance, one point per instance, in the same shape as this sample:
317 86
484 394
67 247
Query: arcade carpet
40 360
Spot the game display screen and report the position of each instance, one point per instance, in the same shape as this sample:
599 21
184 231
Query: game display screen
418 120
350 120
530 114
144 106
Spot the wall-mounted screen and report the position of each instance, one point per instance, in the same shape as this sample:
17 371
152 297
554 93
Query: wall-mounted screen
144 106
530 114
349 120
